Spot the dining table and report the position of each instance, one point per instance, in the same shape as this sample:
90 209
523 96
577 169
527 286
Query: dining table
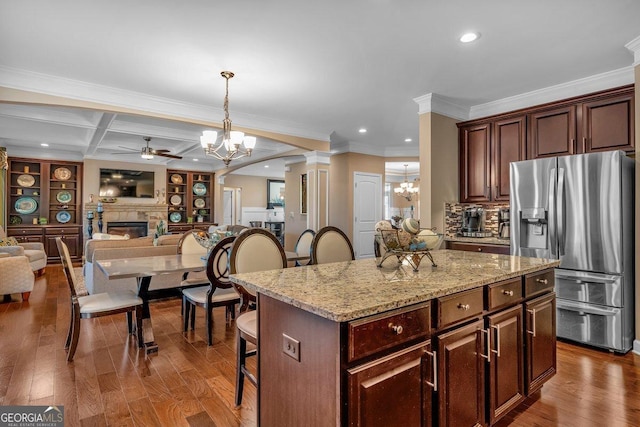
143 269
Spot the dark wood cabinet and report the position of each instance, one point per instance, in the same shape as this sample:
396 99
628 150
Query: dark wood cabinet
540 341
460 390
44 201
475 157
392 391
506 362
189 195
608 123
508 145
552 132
486 150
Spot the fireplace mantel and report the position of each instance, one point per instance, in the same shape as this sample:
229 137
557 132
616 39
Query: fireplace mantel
151 213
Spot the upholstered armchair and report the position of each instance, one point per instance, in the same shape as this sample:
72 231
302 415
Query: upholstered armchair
16 276
34 251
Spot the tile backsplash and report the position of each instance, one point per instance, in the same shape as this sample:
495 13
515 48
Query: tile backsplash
453 217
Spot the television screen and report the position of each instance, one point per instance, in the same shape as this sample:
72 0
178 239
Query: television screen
125 183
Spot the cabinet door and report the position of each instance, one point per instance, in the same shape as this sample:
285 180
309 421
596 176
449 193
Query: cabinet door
540 341
552 132
607 124
461 376
393 390
509 145
73 241
506 366
474 163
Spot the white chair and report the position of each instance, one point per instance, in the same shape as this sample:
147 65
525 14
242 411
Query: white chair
16 276
218 293
34 251
303 246
96 305
330 244
254 250
189 245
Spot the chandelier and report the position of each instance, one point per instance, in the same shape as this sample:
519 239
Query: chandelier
234 144
406 189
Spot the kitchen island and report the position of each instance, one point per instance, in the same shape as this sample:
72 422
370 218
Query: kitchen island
352 344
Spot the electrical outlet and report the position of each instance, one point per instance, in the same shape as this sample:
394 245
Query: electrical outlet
291 347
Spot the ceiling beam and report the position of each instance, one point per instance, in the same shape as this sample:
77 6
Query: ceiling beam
99 133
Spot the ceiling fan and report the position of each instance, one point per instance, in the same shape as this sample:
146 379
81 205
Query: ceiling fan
148 153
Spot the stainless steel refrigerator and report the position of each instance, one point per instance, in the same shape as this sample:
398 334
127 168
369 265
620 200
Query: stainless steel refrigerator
579 209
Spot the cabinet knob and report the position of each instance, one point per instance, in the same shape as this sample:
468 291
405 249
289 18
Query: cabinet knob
464 307
397 329
543 281
508 293
479 249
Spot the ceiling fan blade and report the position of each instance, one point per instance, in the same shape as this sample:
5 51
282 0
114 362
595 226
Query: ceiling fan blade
171 156
163 150
128 148
128 152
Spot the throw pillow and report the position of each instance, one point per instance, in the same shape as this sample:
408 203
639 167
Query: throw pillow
8 241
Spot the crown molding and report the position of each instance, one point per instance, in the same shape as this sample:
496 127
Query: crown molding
619 77
434 103
90 92
318 158
634 46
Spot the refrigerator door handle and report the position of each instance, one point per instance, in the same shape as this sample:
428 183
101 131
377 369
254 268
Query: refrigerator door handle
560 220
551 224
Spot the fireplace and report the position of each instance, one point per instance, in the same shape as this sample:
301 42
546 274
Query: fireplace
132 228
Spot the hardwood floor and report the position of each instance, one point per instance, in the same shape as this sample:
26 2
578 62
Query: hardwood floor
190 384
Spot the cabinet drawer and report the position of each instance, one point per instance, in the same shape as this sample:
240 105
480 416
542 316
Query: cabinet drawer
24 231
504 293
380 332
475 247
539 282
62 230
460 306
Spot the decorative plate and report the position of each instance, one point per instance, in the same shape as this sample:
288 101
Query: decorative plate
26 180
26 205
202 212
199 189
176 179
15 219
175 199
62 174
63 217
199 203
63 197
175 217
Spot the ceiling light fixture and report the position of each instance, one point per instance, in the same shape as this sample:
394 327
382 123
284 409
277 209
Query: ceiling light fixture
44 144
406 189
408 140
232 141
469 37
362 130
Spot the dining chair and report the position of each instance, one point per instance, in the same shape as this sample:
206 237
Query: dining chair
330 244
189 245
218 293
95 305
303 246
254 250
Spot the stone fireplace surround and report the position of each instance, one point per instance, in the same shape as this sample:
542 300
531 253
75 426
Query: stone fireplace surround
125 212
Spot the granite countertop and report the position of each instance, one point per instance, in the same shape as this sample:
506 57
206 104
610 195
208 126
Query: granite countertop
345 291
479 240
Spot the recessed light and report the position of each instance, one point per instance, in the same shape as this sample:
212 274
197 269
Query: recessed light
408 140
44 144
362 130
469 37
266 166
195 160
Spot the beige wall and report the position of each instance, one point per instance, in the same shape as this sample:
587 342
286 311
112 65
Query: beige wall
254 189
438 167
341 186
295 222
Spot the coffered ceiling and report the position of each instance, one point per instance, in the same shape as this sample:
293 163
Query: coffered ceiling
319 70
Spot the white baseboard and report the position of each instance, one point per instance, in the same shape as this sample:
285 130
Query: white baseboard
636 347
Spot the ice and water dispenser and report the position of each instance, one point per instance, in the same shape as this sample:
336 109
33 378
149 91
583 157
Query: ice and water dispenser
533 228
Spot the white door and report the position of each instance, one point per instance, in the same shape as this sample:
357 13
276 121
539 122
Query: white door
227 203
367 211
